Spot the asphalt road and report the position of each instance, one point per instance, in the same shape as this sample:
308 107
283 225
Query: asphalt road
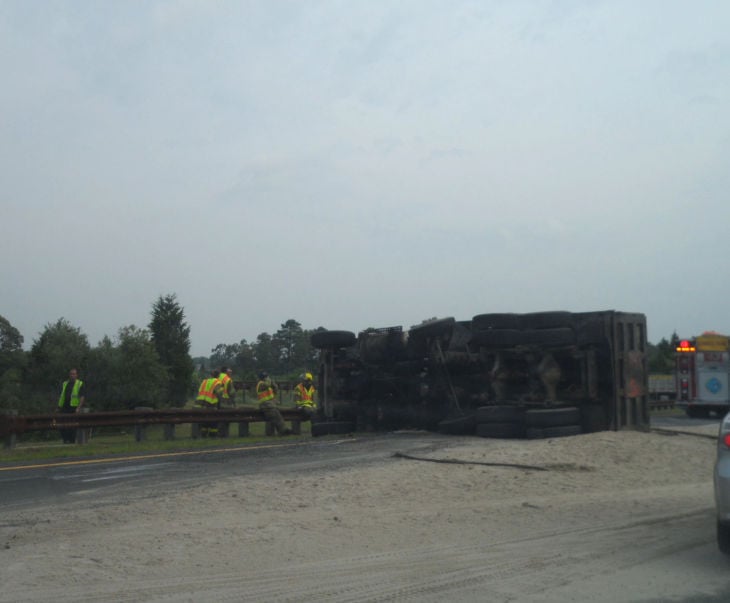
129 478
146 475
682 421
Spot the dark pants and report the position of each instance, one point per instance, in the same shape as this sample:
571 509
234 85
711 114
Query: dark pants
209 430
68 435
273 415
307 411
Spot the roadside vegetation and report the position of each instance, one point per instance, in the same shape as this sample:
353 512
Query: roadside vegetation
138 366
107 442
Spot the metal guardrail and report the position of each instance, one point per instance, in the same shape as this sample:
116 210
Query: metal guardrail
13 425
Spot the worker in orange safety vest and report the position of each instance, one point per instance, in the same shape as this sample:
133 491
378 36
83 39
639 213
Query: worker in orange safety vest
304 396
227 392
266 391
209 394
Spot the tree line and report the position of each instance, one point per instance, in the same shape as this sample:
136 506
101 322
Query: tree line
660 357
139 366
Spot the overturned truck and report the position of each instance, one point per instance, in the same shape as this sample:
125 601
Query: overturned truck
541 374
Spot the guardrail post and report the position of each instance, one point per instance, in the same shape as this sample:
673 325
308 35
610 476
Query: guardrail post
243 431
296 427
169 431
195 430
270 428
140 431
223 430
83 433
11 439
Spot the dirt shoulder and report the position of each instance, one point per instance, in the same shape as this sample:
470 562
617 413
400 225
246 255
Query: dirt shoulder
387 529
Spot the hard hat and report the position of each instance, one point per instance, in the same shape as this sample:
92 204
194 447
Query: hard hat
308 377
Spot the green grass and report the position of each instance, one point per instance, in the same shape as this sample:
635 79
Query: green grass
668 412
124 443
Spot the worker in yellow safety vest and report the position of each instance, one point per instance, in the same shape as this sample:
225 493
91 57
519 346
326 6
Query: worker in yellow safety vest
209 394
304 396
71 401
266 391
228 394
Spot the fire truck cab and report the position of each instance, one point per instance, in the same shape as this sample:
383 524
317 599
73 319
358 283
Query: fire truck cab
703 374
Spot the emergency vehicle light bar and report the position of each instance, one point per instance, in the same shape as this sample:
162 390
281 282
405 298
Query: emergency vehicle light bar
685 346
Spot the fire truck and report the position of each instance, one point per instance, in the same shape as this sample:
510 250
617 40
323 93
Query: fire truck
703 374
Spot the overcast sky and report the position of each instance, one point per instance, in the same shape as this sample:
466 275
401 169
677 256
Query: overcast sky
363 163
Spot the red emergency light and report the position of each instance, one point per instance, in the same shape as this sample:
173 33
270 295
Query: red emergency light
685 346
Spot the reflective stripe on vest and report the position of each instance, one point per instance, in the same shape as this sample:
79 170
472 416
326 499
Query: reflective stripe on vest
266 394
225 379
74 393
306 396
206 393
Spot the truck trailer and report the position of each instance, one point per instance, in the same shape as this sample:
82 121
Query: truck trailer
499 374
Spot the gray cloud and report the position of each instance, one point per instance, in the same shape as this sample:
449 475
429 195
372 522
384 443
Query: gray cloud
362 164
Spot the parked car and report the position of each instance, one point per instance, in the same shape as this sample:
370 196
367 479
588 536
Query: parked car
722 486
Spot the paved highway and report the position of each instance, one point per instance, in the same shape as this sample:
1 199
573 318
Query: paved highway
138 476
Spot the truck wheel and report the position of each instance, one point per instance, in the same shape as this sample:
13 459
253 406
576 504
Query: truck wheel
485 322
333 339
434 328
535 433
459 426
332 428
723 537
500 414
501 430
497 338
549 337
593 418
591 332
552 417
547 320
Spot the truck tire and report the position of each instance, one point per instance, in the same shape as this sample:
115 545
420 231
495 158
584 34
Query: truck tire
486 322
434 328
536 433
723 537
501 430
593 418
547 320
591 332
549 337
500 414
459 426
552 417
498 338
332 428
333 339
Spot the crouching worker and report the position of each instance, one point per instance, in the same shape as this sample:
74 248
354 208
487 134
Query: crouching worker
208 397
304 397
266 393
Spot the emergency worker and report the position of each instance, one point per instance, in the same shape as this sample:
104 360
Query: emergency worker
209 395
71 401
227 393
304 396
266 391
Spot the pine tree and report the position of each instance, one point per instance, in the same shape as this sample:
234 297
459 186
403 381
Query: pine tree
171 336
